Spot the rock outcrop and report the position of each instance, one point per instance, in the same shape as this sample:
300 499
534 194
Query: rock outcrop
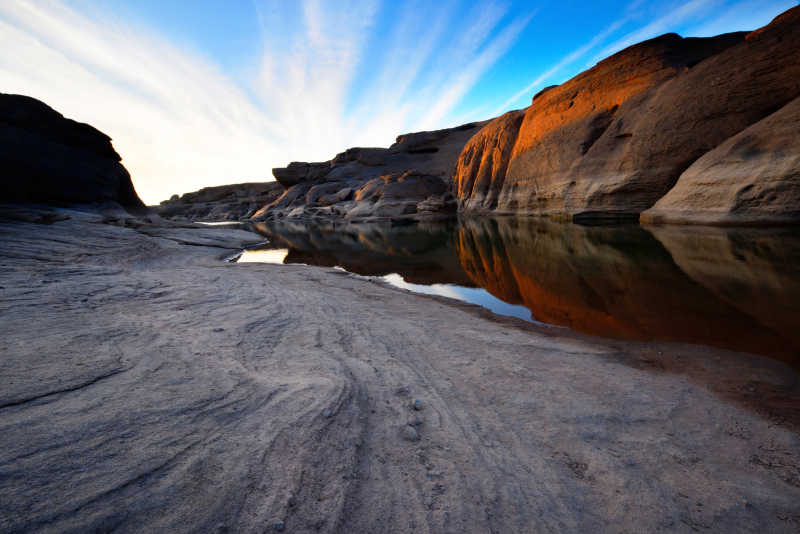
482 165
409 180
233 202
752 178
613 140
46 158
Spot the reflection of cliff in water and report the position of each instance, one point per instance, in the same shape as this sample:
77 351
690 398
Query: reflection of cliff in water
421 253
727 288
623 282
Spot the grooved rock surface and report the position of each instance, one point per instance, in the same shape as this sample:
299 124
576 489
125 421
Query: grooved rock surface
47 158
752 178
411 179
221 203
150 387
481 169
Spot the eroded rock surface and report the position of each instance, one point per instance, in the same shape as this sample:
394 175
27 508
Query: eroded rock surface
233 202
149 386
752 178
613 140
47 158
411 179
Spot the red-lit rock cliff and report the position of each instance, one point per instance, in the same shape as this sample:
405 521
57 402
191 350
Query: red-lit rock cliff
613 140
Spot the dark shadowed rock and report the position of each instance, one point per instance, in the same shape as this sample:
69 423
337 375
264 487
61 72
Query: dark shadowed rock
46 158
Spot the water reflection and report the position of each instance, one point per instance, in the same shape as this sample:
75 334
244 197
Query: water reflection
736 289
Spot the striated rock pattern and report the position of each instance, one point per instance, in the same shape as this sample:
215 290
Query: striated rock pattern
481 169
222 203
410 179
613 140
46 158
751 178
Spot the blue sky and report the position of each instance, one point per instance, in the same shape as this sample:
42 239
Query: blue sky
198 93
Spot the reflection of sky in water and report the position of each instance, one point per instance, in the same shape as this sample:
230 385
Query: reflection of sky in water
472 295
276 255
481 297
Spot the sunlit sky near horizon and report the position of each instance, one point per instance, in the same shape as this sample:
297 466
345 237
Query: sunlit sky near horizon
199 93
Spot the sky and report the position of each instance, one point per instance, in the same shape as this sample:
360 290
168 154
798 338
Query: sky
196 93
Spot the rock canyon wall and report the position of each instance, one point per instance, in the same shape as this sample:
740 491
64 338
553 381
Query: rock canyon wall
695 130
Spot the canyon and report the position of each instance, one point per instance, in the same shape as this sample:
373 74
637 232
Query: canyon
680 130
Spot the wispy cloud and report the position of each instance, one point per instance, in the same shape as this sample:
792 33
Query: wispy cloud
666 23
567 60
181 123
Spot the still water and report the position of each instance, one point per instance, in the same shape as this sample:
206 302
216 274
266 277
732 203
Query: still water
729 288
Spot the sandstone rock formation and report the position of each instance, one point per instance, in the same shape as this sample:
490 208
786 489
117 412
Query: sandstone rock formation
752 178
410 179
222 203
614 139
46 158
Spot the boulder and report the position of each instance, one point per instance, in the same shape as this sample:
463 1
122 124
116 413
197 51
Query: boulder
49 159
752 178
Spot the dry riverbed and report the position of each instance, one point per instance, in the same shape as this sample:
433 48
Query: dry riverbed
147 386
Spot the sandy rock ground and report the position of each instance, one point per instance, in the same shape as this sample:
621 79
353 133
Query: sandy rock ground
149 386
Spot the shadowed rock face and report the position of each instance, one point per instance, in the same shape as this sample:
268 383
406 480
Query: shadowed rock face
613 140
222 203
410 179
49 159
752 177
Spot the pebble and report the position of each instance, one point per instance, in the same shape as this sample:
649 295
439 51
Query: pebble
279 526
414 421
416 404
409 433
327 413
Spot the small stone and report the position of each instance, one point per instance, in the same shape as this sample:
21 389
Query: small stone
417 404
327 413
414 421
409 433
218 330
279 526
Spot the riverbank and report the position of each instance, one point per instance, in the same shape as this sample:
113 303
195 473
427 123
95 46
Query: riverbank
149 385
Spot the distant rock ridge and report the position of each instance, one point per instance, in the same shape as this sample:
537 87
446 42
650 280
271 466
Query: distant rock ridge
411 179
232 202
46 158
